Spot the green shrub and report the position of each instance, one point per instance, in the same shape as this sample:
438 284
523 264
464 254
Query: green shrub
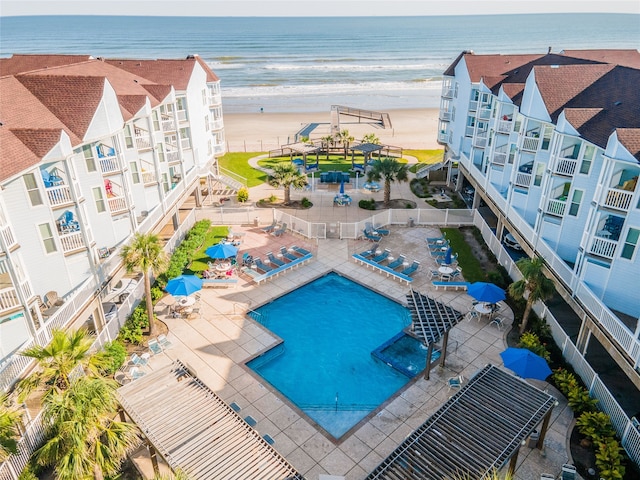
579 400
306 203
564 380
609 460
367 204
531 342
272 199
243 195
156 293
131 331
115 354
595 425
433 203
29 472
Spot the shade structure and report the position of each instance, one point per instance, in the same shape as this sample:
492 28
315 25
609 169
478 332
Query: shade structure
221 250
525 363
447 257
341 187
184 285
486 292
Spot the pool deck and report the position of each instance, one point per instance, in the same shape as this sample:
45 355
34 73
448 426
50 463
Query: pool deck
218 343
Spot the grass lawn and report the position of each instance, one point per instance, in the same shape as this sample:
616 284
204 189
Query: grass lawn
200 260
335 162
238 163
471 267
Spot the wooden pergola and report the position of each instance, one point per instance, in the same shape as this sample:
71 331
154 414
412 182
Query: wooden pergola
196 431
474 433
431 321
367 149
303 149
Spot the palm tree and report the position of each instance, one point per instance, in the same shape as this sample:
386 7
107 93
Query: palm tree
145 255
327 142
390 170
287 175
371 138
9 420
56 362
534 285
346 139
83 439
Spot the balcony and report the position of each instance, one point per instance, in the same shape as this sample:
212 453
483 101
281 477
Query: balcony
504 126
107 159
59 195
72 241
8 299
531 144
173 157
565 166
480 140
443 137
7 235
182 115
117 205
446 115
499 158
185 143
447 91
214 99
149 178
216 124
603 247
484 113
168 125
523 180
618 199
556 207
473 105
142 139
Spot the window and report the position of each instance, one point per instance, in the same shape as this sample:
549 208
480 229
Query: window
204 96
518 123
630 243
128 137
160 152
99 199
576 198
47 238
587 158
135 175
156 121
207 125
89 158
546 137
165 182
512 152
537 180
32 189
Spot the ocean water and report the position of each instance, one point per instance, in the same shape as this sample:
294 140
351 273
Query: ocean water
308 64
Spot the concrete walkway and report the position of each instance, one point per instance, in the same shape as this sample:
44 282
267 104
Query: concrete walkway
222 339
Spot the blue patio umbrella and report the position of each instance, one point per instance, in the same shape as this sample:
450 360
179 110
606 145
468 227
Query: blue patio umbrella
447 257
486 292
184 285
221 250
342 187
525 363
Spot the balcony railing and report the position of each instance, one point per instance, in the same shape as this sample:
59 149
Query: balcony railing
215 99
185 143
504 126
618 199
446 115
149 178
480 140
499 158
168 125
173 157
182 115
556 207
443 137
109 165
60 195
216 124
565 166
484 113
530 143
473 105
468 131
8 299
8 236
71 241
117 205
523 180
143 142
603 247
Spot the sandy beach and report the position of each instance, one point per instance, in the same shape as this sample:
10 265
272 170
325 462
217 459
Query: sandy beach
412 129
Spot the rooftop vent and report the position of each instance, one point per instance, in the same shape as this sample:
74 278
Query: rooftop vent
555 66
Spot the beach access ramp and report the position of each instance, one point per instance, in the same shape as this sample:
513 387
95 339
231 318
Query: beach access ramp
369 116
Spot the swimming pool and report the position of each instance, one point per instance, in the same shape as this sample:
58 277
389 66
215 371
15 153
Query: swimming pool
324 366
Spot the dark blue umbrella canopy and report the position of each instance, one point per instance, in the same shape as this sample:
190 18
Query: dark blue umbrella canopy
486 292
341 187
525 363
221 250
447 257
184 285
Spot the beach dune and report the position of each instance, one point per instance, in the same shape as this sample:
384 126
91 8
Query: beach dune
254 132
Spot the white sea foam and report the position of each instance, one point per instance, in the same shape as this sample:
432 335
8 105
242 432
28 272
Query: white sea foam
351 67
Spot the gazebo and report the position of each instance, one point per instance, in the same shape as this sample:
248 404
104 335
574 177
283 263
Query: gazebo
194 430
366 149
303 149
431 321
474 433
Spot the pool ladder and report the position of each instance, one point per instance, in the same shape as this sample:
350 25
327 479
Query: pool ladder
261 318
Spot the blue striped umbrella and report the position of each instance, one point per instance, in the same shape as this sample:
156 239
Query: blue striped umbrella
184 285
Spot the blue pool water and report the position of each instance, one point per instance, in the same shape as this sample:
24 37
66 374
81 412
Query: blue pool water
325 367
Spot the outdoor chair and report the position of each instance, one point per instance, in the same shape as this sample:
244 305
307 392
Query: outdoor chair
138 360
261 266
164 342
471 314
280 231
247 260
498 322
270 228
382 256
301 251
135 373
568 472
276 261
397 262
410 270
155 347
372 237
371 252
455 382
288 255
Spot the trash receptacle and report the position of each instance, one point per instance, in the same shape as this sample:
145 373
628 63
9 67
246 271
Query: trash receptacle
256 222
533 439
411 222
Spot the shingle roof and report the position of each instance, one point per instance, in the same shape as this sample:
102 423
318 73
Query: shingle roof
630 138
17 63
40 142
627 58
